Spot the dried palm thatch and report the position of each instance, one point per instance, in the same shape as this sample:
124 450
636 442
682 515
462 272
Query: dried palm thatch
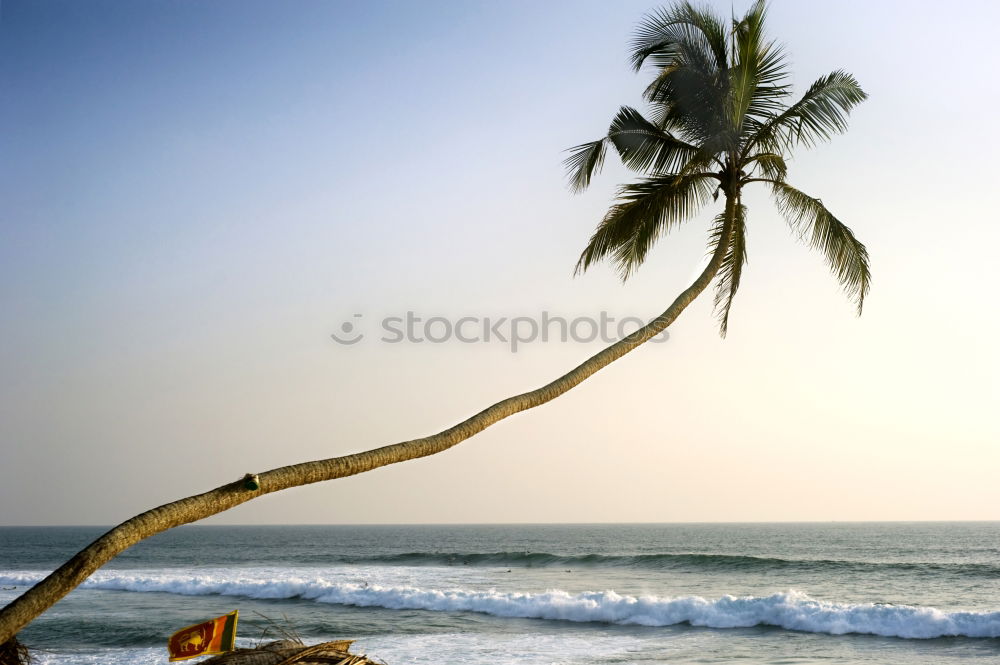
13 652
289 651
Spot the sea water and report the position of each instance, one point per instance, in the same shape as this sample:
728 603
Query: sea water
671 593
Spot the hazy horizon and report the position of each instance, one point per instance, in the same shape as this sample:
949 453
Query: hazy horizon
196 196
207 523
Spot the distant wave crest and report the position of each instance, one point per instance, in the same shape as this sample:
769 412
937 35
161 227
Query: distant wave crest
791 610
659 561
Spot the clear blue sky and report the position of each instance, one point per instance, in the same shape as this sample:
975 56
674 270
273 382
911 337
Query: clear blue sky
195 195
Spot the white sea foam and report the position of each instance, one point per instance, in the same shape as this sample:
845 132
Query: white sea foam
791 610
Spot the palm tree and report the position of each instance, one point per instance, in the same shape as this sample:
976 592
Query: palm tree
719 122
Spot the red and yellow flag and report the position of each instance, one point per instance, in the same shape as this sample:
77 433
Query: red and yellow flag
213 636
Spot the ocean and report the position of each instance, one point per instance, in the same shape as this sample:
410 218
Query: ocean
826 593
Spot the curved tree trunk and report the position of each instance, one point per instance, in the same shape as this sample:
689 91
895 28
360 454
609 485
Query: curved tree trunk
20 612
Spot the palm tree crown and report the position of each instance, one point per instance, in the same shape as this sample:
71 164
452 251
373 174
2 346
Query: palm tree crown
719 120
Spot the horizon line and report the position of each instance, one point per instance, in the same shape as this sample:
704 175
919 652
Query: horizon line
481 524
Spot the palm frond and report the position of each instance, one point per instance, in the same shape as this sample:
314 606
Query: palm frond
688 48
771 165
645 210
757 70
691 102
814 224
584 161
646 148
731 270
662 114
665 32
822 111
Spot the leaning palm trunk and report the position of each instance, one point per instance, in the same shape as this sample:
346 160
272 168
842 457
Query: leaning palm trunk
46 593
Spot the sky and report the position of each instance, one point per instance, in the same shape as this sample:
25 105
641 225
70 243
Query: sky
195 196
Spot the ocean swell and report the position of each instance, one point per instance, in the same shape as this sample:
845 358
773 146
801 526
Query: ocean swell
791 610
654 561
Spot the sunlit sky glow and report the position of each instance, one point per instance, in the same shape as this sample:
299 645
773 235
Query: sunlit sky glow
195 195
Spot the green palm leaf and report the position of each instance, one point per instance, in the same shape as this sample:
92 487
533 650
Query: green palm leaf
822 111
691 102
845 254
584 161
770 164
665 33
728 280
688 48
645 211
757 70
644 147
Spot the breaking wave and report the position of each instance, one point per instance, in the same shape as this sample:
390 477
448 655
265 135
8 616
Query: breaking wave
791 610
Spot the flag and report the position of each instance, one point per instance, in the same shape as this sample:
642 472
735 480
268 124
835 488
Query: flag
213 636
